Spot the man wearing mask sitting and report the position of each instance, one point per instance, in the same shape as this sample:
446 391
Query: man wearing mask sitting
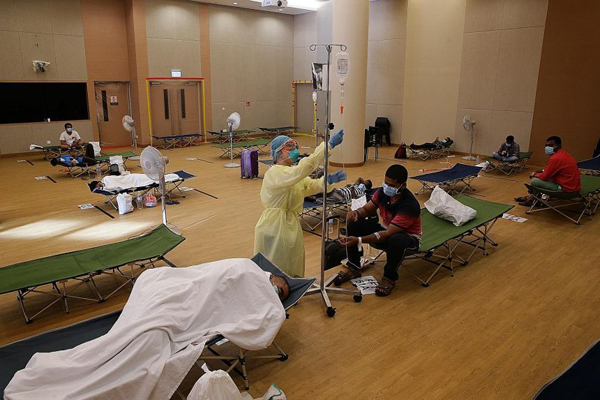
69 137
399 231
509 151
560 174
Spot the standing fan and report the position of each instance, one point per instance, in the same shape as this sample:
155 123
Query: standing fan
233 122
154 166
129 126
469 126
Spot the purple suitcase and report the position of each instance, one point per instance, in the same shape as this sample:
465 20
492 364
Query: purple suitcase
249 164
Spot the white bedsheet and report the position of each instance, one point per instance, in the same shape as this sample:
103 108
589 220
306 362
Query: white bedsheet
161 332
121 182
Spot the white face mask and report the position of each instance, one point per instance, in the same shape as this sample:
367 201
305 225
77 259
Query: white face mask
69 130
276 289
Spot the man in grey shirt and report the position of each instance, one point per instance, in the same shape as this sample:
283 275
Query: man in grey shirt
509 151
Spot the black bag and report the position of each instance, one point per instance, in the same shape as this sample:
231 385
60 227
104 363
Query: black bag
334 254
114 170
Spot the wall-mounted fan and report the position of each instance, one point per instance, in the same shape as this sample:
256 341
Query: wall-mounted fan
469 126
233 122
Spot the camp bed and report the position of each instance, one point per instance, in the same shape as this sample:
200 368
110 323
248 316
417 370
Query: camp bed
590 166
238 135
237 147
587 199
171 186
279 130
76 170
83 266
173 141
105 158
454 180
508 168
56 151
15 356
440 150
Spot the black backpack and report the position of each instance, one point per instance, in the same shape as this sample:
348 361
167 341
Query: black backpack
334 254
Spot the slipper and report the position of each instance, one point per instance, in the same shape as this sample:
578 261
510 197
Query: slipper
382 290
344 276
520 199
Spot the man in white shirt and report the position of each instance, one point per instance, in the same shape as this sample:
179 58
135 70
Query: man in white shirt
69 137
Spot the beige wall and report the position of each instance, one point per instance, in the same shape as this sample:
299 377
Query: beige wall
434 43
173 31
305 34
16 138
385 70
251 60
499 71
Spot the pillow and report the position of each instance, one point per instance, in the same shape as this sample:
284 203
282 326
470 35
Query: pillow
444 206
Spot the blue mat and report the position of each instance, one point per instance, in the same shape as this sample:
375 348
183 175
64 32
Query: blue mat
458 171
593 164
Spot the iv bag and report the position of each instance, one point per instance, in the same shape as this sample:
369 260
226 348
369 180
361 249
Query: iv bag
342 62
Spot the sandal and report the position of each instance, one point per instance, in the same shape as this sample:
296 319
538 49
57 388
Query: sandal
383 290
521 199
345 276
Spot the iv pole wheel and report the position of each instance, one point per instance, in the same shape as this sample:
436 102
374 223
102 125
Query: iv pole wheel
357 298
330 311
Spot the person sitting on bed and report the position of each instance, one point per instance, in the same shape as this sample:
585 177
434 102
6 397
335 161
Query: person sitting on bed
437 144
400 229
89 158
69 138
508 151
560 174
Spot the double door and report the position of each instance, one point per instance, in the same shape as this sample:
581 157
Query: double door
175 107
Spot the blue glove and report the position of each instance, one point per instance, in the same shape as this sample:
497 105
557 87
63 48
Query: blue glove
336 139
336 177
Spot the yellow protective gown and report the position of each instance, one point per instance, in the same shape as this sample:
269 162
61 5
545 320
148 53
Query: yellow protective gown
278 234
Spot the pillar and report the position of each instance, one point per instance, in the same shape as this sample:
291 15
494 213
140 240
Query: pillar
350 27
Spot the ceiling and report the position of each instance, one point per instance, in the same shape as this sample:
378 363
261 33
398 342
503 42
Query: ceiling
295 7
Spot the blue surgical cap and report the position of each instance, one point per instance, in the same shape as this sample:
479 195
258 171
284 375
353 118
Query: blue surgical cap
277 143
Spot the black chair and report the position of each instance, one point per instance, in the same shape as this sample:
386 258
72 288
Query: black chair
383 124
372 139
597 151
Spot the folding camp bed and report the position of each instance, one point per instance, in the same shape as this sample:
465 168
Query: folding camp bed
238 136
237 147
171 186
280 130
441 149
83 265
56 151
15 356
590 166
454 180
508 167
76 170
441 239
588 199
167 142
105 158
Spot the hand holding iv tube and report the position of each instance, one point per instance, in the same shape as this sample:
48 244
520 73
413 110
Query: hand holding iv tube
342 63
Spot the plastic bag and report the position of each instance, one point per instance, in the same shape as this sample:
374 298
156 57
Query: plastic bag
150 200
214 385
118 161
124 203
444 206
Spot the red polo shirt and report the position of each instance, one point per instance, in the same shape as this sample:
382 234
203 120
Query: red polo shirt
562 169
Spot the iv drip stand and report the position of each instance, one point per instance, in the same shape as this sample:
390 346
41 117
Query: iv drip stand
323 287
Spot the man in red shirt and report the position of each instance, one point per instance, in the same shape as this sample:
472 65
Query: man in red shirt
399 231
560 174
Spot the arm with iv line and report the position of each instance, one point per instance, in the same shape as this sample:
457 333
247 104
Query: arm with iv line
378 237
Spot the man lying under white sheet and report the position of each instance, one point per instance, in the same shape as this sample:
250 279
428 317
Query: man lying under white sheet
121 182
161 332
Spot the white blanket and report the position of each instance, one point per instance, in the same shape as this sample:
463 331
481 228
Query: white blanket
122 182
169 316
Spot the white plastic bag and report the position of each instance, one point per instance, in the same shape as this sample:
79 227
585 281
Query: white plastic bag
124 203
444 206
118 160
214 385
97 149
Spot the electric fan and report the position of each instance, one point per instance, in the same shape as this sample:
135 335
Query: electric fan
129 126
154 165
233 122
469 126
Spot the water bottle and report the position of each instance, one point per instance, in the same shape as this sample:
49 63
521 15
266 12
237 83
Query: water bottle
139 201
330 223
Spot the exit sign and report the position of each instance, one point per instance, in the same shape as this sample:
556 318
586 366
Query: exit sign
175 73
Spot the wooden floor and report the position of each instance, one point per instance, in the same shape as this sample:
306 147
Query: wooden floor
498 329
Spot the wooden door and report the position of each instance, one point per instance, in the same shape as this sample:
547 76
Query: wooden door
175 108
112 104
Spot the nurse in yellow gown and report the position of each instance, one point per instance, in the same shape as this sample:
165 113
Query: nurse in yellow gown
278 234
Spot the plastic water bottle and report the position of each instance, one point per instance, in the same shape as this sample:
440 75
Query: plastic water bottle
139 202
330 223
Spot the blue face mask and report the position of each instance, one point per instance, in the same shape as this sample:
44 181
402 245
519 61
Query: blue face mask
362 186
508 144
549 150
390 191
294 155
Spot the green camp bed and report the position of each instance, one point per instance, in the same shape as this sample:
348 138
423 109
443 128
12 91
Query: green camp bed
588 199
238 136
441 238
51 152
237 147
508 167
83 265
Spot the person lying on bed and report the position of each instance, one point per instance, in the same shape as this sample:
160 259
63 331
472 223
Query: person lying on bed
115 183
560 173
89 158
508 151
437 144
399 231
359 189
